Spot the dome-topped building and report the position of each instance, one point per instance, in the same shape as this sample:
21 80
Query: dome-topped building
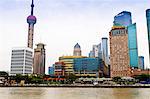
77 50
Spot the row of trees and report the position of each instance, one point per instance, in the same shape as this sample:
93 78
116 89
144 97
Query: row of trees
143 77
39 79
28 79
136 79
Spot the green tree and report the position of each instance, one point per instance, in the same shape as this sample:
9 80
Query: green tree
142 77
116 79
18 78
70 78
37 79
4 74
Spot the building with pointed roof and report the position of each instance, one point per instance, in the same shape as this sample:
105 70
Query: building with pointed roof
77 50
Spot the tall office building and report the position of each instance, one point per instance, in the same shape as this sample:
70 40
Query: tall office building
39 59
148 28
100 51
123 19
21 61
96 51
31 20
105 56
77 50
141 62
132 45
119 52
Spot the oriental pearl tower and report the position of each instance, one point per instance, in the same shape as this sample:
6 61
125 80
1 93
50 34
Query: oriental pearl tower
31 20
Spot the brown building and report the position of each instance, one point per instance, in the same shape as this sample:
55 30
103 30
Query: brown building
39 59
139 72
119 58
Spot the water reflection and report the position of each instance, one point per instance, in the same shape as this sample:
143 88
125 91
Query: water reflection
131 93
27 93
74 93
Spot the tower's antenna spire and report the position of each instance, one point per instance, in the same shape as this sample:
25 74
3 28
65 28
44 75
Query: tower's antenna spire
32 6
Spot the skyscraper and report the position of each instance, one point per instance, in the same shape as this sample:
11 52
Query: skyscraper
39 59
96 51
119 52
105 50
148 28
100 51
123 19
132 45
31 20
21 61
77 50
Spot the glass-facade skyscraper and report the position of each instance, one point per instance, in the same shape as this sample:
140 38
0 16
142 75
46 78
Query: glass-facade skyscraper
123 19
132 45
148 27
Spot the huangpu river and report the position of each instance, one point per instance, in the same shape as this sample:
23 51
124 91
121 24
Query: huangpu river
73 93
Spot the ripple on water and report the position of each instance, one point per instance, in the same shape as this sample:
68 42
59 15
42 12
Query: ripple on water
74 93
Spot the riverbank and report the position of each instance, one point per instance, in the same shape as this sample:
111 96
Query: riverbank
83 86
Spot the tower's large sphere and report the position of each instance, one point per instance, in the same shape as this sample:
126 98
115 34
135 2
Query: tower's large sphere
31 19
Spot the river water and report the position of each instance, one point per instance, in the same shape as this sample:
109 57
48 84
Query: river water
74 93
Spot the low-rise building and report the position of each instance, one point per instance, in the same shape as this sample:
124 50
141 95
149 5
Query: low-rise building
86 67
59 69
51 70
141 62
68 63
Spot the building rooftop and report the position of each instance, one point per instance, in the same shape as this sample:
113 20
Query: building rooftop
77 46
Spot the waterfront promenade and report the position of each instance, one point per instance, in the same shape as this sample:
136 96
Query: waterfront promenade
81 85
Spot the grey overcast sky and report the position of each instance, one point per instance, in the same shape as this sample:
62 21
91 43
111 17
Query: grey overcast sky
63 23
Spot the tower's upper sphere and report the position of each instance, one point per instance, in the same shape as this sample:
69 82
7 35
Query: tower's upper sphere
31 19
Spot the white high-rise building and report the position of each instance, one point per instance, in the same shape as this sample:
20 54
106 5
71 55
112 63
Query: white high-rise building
21 61
96 51
105 56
